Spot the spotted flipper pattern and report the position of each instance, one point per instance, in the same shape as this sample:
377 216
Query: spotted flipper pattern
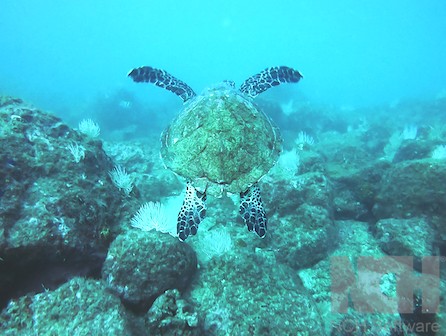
252 211
268 78
162 79
192 212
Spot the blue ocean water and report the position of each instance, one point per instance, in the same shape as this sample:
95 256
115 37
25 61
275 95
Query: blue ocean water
59 54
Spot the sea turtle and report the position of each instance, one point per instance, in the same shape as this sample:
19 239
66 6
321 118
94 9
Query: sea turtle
220 142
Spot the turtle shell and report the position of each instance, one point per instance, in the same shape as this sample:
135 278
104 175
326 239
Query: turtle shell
221 141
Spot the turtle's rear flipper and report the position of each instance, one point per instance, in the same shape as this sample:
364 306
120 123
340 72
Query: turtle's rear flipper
268 78
192 212
162 79
252 211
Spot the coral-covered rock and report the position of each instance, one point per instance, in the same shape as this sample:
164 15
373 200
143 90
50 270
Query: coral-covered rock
57 204
304 238
347 206
355 191
172 315
237 297
288 194
2 236
412 188
304 231
311 161
406 237
152 178
412 150
79 307
142 265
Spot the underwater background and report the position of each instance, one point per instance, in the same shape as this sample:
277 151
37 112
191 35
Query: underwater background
356 202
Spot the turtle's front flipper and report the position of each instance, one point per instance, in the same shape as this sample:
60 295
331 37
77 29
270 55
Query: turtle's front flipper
252 211
162 79
192 212
268 78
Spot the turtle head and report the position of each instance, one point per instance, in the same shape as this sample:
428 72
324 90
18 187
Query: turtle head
223 87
